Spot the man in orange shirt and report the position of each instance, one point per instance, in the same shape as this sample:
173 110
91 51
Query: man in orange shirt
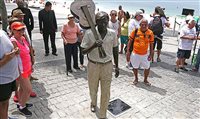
139 57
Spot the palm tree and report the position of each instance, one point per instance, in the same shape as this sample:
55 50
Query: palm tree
4 15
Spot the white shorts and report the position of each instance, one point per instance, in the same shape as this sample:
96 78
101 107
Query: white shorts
140 61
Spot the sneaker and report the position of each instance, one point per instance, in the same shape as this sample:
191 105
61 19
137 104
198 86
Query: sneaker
183 68
69 70
54 54
176 70
33 94
46 54
15 99
25 112
28 105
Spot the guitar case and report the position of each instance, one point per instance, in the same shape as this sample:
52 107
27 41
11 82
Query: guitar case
76 10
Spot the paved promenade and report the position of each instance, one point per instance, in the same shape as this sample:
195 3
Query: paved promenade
171 96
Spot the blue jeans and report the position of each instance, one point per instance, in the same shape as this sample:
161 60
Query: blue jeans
198 60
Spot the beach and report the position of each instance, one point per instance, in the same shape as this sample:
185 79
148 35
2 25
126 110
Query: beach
63 10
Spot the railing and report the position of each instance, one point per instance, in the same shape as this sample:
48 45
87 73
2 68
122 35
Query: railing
175 22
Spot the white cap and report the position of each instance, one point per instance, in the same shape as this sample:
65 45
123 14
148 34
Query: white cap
191 20
138 12
189 17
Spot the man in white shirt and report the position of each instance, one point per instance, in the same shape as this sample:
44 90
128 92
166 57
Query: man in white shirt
114 23
8 72
187 36
135 22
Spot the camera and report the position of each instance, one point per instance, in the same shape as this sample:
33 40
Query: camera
198 27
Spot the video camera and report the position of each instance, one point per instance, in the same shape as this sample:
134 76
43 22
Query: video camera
187 12
198 26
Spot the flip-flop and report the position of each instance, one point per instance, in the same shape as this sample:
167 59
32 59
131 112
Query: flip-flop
135 82
147 83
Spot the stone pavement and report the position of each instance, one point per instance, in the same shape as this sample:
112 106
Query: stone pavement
171 95
60 96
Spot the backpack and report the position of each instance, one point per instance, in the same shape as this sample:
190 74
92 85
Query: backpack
131 45
156 26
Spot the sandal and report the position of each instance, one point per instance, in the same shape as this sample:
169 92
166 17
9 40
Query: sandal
147 83
135 82
158 60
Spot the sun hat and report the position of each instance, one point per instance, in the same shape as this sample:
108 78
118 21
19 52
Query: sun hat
70 16
17 13
17 26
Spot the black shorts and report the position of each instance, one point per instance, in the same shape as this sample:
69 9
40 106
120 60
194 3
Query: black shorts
183 53
158 42
6 90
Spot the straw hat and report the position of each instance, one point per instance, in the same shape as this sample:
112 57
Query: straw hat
17 13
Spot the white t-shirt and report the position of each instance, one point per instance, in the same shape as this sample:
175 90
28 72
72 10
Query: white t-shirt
185 44
114 26
9 71
133 24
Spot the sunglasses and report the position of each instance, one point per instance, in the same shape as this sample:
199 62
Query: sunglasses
113 15
20 30
71 17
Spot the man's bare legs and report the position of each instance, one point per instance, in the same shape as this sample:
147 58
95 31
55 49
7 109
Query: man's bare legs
158 55
146 74
122 47
135 71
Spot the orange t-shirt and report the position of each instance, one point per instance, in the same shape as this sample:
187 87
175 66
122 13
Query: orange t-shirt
142 41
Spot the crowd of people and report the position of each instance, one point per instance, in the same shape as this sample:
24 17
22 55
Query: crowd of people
139 36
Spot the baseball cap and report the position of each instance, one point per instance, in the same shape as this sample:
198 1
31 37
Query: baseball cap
189 17
17 13
17 26
191 20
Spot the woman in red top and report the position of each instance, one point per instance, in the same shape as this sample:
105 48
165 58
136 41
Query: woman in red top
25 88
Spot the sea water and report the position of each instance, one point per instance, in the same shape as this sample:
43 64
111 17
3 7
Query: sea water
172 7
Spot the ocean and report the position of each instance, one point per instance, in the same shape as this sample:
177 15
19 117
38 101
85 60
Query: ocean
172 7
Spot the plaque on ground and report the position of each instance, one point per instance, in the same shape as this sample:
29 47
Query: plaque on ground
117 107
